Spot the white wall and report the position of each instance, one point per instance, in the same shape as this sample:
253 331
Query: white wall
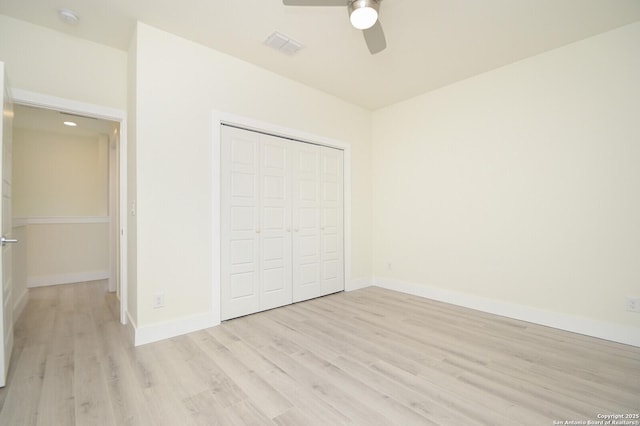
49 62
179 83
132 194
60 191
520 186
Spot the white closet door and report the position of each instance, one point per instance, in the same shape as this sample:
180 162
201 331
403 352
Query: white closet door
306 222
332 221
256 222
275 227
282 224
240 222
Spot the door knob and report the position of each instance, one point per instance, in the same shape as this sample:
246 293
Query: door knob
6 240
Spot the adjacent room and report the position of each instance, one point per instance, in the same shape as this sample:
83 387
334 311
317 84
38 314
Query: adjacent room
301 212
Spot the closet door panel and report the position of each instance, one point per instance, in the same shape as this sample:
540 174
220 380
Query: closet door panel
306 221
332 221
275 227
239 217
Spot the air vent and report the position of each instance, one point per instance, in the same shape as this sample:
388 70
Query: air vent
283 43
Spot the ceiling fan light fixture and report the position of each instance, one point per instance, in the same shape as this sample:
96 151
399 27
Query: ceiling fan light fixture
363 14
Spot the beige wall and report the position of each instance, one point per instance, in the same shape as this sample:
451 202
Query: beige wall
59 175
59 182
48 62
66 252
19 270
179 83
521 185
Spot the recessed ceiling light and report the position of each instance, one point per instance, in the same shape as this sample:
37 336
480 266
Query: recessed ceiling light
68 16
70 124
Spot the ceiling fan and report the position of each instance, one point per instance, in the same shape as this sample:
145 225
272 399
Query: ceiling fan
363 15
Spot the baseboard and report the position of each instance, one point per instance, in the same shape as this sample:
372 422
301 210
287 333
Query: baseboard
20 304
56 279
131 328
581 325
165 330
357 284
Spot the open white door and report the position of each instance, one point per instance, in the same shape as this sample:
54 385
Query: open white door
6 297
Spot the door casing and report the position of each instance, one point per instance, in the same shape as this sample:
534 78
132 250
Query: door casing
33 99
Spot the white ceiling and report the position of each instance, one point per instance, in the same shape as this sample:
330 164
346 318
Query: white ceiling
431 43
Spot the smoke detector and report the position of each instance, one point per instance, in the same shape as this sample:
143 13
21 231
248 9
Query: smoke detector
68 16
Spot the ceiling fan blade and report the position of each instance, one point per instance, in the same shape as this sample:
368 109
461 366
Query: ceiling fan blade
314 2
374 37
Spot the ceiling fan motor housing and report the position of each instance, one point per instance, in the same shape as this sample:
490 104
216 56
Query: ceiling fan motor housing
363 3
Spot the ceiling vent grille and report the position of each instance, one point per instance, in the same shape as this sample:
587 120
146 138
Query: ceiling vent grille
283 43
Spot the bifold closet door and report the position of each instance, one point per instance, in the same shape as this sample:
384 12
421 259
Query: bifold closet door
332 220
307 260
318 224
281 217
255 222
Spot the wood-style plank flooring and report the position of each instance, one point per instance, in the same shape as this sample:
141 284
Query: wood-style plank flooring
369 357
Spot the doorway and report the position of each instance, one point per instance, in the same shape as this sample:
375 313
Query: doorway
72 221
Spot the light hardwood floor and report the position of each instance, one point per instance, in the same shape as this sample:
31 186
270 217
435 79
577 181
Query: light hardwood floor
369 357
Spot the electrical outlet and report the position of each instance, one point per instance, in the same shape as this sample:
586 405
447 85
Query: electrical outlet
389 266
158 300
633 304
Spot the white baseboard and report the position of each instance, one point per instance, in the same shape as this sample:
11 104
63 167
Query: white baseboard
357 284
601 329
131 328
45 280
165 330
20 304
